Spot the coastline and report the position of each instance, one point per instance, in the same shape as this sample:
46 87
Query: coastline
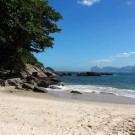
66 95
25 112
94 97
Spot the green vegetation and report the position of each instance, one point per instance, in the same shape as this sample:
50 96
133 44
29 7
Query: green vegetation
25 27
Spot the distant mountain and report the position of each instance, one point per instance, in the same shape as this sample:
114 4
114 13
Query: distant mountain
127 69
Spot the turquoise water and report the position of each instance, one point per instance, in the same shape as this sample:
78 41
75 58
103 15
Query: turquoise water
118 84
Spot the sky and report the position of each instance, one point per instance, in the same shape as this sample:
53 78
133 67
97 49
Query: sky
94 33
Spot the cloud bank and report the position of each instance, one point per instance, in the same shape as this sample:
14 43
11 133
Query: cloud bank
88 2
111 59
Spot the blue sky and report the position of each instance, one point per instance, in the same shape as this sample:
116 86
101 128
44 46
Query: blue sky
94 33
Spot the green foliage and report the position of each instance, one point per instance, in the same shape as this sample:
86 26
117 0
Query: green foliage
28 57
25 27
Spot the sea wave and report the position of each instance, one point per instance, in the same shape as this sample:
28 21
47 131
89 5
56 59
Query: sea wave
100 89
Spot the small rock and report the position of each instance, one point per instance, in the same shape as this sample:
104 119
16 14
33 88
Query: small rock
75 92
89 126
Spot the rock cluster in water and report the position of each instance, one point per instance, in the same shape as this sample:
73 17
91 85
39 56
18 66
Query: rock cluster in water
82 74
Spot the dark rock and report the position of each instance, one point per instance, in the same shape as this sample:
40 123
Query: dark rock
1 82
43 83
50 69
63 73
106 74
35 79
54 80
35 74
46 83
3 74
75 92
48 73
40 89
54 76
28 86
14 82
92 74
28 78
88 74
54 87
18 87
32 80
14 74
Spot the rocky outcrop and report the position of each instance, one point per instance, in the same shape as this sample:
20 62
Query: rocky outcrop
32 78
14 82
63 73
92 74
88 74
30 69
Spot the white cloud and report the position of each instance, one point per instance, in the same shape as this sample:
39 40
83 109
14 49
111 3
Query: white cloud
112 59
88 2
102 62
123 55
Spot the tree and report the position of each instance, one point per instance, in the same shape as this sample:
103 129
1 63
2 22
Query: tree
25 27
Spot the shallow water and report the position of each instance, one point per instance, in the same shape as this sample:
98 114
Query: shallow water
118 84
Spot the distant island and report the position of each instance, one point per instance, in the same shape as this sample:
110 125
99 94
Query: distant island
126 69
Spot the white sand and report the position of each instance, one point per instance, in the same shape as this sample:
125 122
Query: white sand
20 115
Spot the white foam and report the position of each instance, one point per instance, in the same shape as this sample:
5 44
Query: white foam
99 89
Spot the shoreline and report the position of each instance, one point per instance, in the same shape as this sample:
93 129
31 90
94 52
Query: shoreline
66 95
26 112
94 97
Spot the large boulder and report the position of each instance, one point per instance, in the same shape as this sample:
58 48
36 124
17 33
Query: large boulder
14 82
28 86
32 80
40 89
54 80
48 73
46 83
15 74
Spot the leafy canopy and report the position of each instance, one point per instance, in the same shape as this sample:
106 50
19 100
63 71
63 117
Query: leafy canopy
25 27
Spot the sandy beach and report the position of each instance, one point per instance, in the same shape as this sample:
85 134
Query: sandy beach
28 113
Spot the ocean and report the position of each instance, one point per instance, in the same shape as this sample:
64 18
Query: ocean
118 84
